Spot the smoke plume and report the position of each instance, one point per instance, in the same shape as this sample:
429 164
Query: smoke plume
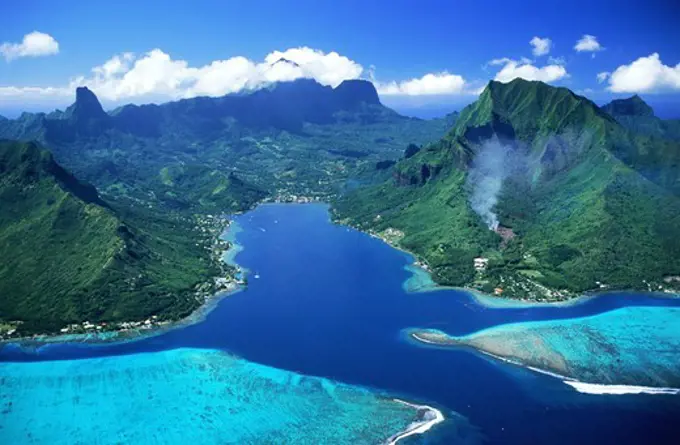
485 179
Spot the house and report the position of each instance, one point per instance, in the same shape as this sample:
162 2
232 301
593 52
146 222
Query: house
480 263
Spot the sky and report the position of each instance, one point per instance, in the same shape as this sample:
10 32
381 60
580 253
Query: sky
425 57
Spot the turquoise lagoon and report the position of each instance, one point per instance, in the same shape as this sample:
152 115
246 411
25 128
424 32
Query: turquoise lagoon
330 302
187 396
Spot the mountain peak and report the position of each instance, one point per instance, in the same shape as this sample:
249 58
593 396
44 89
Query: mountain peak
632 106
86 104
283 60
355 91
86 115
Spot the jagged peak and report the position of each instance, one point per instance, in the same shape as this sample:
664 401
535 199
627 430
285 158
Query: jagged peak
631 106
86 105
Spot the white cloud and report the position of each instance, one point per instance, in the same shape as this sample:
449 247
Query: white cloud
512 69
601 77
588 43
328 69
430 84
155 75
541 46
33 45
645 75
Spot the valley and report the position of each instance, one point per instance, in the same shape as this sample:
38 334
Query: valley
531 193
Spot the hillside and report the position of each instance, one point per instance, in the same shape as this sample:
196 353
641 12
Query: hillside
293 137
556 194
634 114
69 256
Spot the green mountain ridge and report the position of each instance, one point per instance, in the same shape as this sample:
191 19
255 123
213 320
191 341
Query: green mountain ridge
634 114
591 204
292 137
69 256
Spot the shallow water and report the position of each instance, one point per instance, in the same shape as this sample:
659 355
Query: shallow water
638 346
330 301
186 396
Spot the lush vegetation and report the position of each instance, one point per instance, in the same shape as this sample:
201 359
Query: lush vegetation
591 204
147 246
68 256
297 137
589 196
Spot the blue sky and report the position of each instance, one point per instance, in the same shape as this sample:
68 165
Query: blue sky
430 54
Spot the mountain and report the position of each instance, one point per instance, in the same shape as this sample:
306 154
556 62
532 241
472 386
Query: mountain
634 114
297 137
283 106
69 256
144 247
551 189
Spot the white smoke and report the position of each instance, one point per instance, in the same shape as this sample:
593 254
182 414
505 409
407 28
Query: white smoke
485 179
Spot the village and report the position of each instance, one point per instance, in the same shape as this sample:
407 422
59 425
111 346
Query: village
284 197
229 279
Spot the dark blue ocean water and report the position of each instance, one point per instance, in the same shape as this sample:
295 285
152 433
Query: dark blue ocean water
329 302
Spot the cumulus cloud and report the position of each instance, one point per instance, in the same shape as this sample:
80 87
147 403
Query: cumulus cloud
645 75
34 44
524 68
430 84
156 76
588 43
156 73
541 46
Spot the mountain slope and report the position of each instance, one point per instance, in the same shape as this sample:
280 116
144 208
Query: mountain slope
571 196
634 114
290 137
69 257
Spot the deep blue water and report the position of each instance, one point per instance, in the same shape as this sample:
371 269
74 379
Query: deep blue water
329 302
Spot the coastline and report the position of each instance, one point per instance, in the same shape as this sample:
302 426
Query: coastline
421 281
122 335
420 271
435 417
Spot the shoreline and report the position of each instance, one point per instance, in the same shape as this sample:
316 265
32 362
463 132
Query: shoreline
493 302
483 299
123 335
418 427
